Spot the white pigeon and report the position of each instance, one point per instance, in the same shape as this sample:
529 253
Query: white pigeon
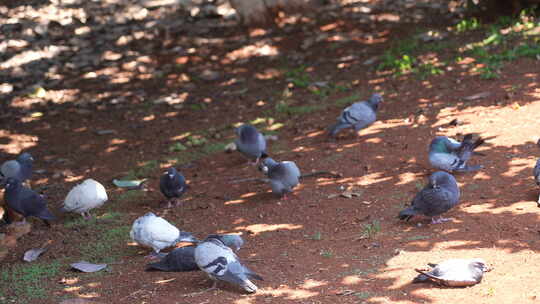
155 232
85 197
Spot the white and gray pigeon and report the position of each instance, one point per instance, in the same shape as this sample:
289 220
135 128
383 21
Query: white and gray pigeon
536 173
183 258
451 155
436 198
155 232
20 168
84 197
359 115
284 176
250 142
26 201
220 263
454 272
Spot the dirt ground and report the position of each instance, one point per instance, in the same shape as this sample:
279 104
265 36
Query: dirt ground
315 247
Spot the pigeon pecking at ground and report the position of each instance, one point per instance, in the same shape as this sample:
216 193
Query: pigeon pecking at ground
155 232
454 273
250 143
220 263
450 155
20 168
173 185
284 176
183 258
26 201
437 197
536 174
358 115
85 197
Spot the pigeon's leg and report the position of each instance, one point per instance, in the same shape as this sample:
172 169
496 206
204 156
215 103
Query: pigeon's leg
214 287
23 222
86 215
177 202
440 220
169 204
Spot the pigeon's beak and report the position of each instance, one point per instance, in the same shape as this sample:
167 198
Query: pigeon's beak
171 175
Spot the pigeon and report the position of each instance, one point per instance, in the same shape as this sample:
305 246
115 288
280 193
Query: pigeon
183 258
26 201
20 168
180 259
220 263
437 197
250 143
173 185
359 115
155 232
454 272
85 197
536 173
450 155
284 176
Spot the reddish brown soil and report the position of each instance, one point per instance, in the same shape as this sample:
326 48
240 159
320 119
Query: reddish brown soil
309 248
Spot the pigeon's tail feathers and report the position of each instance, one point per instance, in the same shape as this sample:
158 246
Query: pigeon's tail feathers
249 286
157 266
334 129
407 214
254 276
420 278
468 168
186 237
426 276
477 143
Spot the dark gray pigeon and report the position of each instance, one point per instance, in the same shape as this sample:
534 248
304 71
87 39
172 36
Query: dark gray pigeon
173 185
437 197
284 176
20 168
180 259
358 115
451 155
536 173
183 258
250 143
25 201
454 273
220 263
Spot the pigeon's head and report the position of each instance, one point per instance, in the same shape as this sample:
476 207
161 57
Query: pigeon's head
149 214
12 183
374 100
25 158
233 241
438 178
171 172
266 164
480 264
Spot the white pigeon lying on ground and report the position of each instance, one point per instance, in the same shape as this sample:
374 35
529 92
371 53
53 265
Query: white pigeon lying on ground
85 197
454 272
155 232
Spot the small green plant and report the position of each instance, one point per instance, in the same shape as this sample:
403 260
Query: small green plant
197 106
130 195
317 236
214 148
298 77
347 100
429 69
102 249
326 253
418 237
371 229
284 108
177 147
467 25
25 281
362 294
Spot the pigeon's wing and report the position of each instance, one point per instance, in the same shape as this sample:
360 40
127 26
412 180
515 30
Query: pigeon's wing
11 168
73 200
180 259
33 204
287 172
433 202
452 144
536 172
159 230
261 143
359 114
236 274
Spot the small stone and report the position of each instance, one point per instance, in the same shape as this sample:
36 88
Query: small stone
209 75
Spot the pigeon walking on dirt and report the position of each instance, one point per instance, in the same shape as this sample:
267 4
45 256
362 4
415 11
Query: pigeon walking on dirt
454 272
358 115
536 173
155 232
437 197
26 201
84 197
450 155
183 258
173 185
20 168
220 263
284 176
251 143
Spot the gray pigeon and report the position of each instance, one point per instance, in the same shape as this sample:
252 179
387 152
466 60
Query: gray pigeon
183 258
451 155
155 232
358 115
454 273
172 185
284 176
220 263
26 201
536 172
250 143
437 197
20 168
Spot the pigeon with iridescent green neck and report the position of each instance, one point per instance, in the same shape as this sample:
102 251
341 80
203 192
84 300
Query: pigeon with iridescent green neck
451 155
